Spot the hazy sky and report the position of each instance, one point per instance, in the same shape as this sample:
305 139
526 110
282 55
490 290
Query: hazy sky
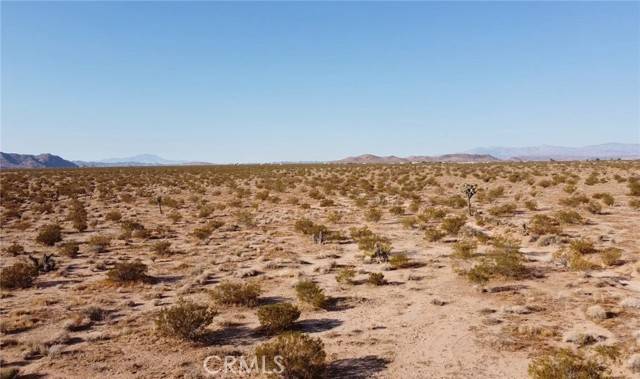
243 82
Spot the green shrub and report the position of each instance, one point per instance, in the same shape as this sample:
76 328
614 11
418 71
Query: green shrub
162 248
507 209
453 224
18 275
303 357
99 244
565 364
582 246
400 260
464 249
310 293
50 234
543 224
239 294
345 275
373 214
377 279
433 235
275 318
610 256
186 320
568 216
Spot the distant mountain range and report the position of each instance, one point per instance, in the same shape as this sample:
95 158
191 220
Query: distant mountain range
392 159
136 160
546 152
482 154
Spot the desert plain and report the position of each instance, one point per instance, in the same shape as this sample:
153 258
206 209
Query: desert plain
389 271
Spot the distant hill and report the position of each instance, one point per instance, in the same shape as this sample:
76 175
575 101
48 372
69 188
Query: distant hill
546 152
460 158
12 160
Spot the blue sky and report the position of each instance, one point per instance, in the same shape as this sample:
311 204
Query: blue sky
247 82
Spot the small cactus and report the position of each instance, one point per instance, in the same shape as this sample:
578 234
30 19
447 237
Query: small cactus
46 263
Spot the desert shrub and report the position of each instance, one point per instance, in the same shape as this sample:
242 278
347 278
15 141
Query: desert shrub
14 249
531 205
565 364
634 203
245 218
543 224
49 234
400 260
594 207
503 261
174 216
345 275
507 209
78 215
376 278
310 293
582 246
9 373
162 248
327 203
275 318
100 243
334 217
18 275
239 294
574 260
133 228
434 234
453 224
367 240
574 200
185 319
568 216
409 222
373 214
432 214
569 188
302 356
634 186
396 210
308 227
114 215
544 183
610 256
591 179
128 272
262 195
69 249
464 249
605 197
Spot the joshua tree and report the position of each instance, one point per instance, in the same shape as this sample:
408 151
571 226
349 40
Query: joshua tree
159 201
380 254
469 190
318 238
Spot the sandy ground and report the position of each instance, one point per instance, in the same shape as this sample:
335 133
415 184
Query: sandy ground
429 321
